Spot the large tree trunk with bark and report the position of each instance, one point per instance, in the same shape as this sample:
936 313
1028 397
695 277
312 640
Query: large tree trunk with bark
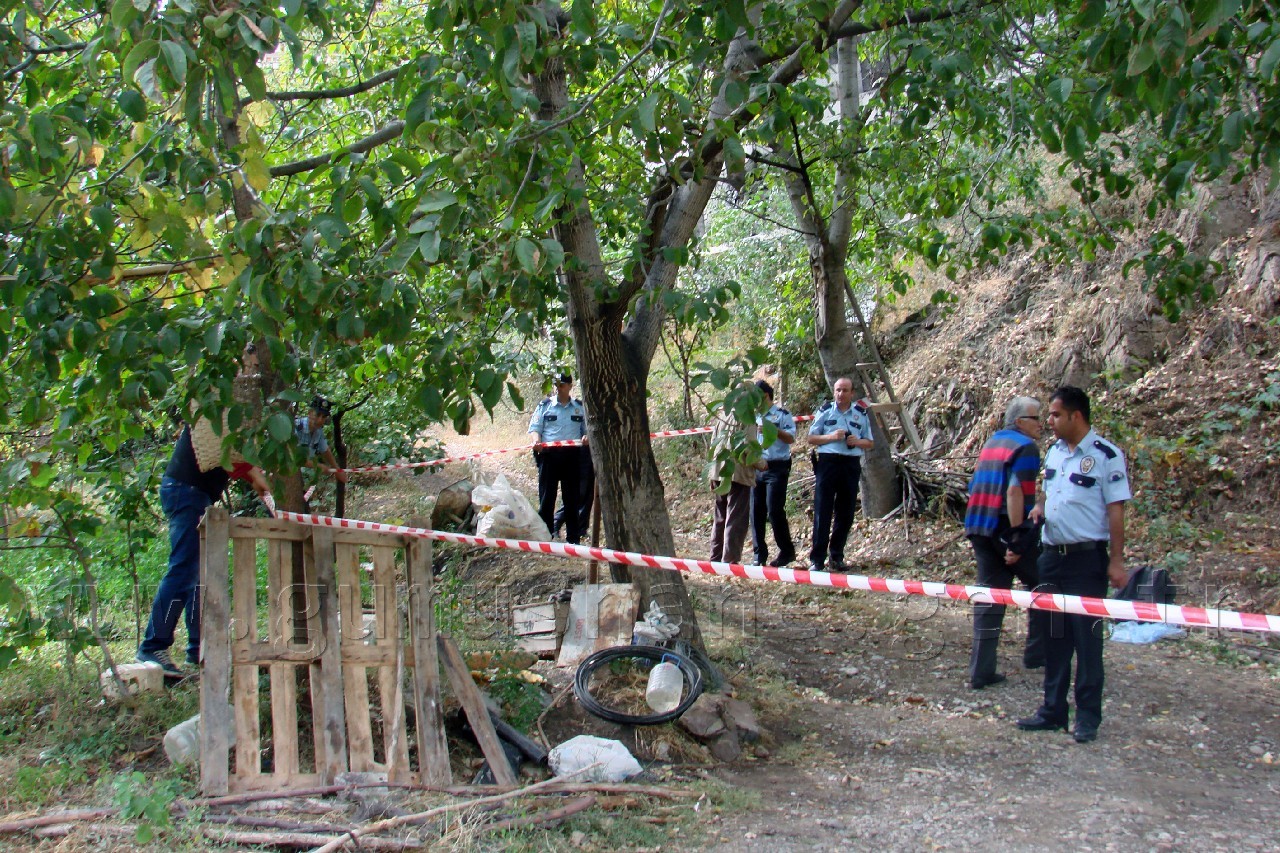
838 351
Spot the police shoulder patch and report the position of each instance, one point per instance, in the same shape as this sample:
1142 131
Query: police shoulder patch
1117 476
1107 450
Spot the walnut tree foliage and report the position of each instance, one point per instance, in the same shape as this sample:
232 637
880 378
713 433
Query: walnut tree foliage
411 197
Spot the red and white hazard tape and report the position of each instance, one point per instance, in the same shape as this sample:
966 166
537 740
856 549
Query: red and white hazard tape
1170 614
570 442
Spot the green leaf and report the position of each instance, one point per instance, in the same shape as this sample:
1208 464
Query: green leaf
646 111
132 104
1267 64
148 82
176 60
141 52
1141 57
123 13
1060 90
436 200
1075 142
527 254
280 427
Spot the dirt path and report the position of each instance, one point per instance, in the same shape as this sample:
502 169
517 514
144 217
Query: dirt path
891 749
877 742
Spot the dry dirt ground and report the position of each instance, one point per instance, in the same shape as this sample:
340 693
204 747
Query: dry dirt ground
872 738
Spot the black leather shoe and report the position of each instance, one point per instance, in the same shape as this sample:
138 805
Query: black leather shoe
837 564
815 567
781 562
1037 664
1037 723
994 678
1085 734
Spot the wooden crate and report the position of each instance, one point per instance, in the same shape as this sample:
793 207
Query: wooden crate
311 635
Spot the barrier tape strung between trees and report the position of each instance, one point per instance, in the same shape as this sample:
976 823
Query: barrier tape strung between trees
569 442
1170 614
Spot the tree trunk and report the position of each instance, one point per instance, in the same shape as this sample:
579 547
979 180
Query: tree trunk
838 351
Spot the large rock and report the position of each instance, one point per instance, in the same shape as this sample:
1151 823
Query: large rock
739 717
703 719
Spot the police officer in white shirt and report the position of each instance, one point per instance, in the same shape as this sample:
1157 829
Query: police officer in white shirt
841 432
558 418
1085 489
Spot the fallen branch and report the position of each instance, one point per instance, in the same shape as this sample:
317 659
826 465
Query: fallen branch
569 809
422 817
30 823
301 840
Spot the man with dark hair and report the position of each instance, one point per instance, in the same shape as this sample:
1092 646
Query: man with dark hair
769 496
559 417
841 432
1001 493
310 433
1085 489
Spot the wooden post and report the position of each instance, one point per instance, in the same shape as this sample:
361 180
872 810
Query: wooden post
326 674
433 751
215 653
477 714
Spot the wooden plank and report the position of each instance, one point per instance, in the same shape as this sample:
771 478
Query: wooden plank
354 676
886 407
326 675
348 536
543 645
433 750
274 783
215 654
284 687
244 679
268 528
477 714
390 688
377 655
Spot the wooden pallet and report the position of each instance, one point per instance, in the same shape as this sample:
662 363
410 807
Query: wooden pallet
309 634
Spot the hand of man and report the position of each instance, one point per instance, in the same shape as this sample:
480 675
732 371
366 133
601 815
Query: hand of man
840 435
1116 572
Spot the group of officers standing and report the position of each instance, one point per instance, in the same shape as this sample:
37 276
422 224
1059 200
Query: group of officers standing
1066 537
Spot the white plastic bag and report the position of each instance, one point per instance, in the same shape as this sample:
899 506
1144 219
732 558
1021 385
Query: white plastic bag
613 762
507 514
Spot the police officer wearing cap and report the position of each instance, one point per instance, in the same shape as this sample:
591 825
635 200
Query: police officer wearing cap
769 497
559 418
1085 489
841 432
310 434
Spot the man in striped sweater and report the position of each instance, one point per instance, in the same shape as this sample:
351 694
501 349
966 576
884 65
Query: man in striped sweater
1001 493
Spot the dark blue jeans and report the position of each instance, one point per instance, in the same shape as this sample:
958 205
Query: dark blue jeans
184 506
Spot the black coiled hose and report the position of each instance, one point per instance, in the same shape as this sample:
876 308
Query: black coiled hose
692 678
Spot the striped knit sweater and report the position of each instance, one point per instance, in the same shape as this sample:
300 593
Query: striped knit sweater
1007 455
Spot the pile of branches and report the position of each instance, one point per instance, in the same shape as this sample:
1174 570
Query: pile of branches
369 824
927 487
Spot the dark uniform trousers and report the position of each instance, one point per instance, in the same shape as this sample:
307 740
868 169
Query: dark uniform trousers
988 618
769 500
559 468
586 494
1077 573
834 492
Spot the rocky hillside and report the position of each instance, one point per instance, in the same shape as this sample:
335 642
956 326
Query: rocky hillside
1194 402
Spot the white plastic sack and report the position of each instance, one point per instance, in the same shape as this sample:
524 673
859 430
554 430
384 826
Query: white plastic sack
505 513
613 762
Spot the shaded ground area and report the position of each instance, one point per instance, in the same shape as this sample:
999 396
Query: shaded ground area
873 739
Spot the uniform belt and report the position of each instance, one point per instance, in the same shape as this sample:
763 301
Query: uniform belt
1073 547
778 463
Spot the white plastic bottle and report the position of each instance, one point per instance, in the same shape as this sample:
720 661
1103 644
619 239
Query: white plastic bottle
666 683
182 742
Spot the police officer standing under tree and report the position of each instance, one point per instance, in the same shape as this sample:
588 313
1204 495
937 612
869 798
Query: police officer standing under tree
559 418
769 497
841 432
1082 547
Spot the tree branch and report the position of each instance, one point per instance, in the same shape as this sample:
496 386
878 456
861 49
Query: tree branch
387 134
343 91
